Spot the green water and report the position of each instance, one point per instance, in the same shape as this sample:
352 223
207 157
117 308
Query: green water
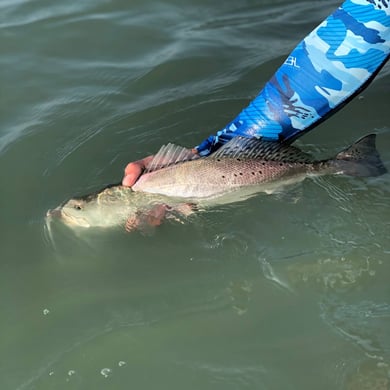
287 291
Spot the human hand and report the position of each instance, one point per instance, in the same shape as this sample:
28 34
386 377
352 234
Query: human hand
134 169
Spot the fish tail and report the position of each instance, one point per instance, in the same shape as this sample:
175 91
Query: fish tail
360 159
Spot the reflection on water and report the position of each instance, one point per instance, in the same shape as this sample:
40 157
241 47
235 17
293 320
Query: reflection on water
283 291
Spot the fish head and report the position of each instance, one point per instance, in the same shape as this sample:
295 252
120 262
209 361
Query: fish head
75 212
108 207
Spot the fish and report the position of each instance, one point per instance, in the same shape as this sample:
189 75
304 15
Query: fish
178 183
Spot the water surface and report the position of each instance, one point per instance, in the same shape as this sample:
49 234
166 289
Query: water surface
288 291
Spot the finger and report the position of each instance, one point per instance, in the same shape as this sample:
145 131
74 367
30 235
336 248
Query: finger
133 167
130 178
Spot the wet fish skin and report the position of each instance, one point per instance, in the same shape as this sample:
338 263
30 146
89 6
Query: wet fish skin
248 163
240 168
206 178
113 205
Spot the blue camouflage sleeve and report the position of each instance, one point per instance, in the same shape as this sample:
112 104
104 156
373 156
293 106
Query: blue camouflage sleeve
326 70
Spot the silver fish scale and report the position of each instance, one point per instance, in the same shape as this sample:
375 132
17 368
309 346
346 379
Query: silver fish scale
210 177
236 173
241 162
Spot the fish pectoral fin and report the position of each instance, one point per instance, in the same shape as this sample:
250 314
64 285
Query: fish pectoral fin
186 209
179 213
143 221
155 216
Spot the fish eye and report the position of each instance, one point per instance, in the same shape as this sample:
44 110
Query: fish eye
77 207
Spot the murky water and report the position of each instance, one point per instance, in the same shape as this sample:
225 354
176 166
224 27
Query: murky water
287 291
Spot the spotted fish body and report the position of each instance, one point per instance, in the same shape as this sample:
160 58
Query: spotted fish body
209 177
175 181
255 165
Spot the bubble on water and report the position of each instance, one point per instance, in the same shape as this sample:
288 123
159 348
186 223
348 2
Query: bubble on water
106 372
51 373
71 372
121 363
46 312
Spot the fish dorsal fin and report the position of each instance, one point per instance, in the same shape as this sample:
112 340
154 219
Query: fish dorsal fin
170 154
253 148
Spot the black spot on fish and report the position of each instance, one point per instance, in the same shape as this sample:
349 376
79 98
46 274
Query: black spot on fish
238 159
253 173
235 175
223 176
240 173
260 172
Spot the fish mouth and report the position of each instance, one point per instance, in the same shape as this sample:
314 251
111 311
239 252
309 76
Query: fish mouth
54 213
59 213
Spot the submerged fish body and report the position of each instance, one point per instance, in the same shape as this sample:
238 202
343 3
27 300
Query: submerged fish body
175 181
111 206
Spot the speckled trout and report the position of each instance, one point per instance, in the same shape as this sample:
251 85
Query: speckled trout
176 182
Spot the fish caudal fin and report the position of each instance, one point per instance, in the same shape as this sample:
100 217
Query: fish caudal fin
360 159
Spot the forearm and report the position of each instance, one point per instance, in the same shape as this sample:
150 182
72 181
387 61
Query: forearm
325 71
